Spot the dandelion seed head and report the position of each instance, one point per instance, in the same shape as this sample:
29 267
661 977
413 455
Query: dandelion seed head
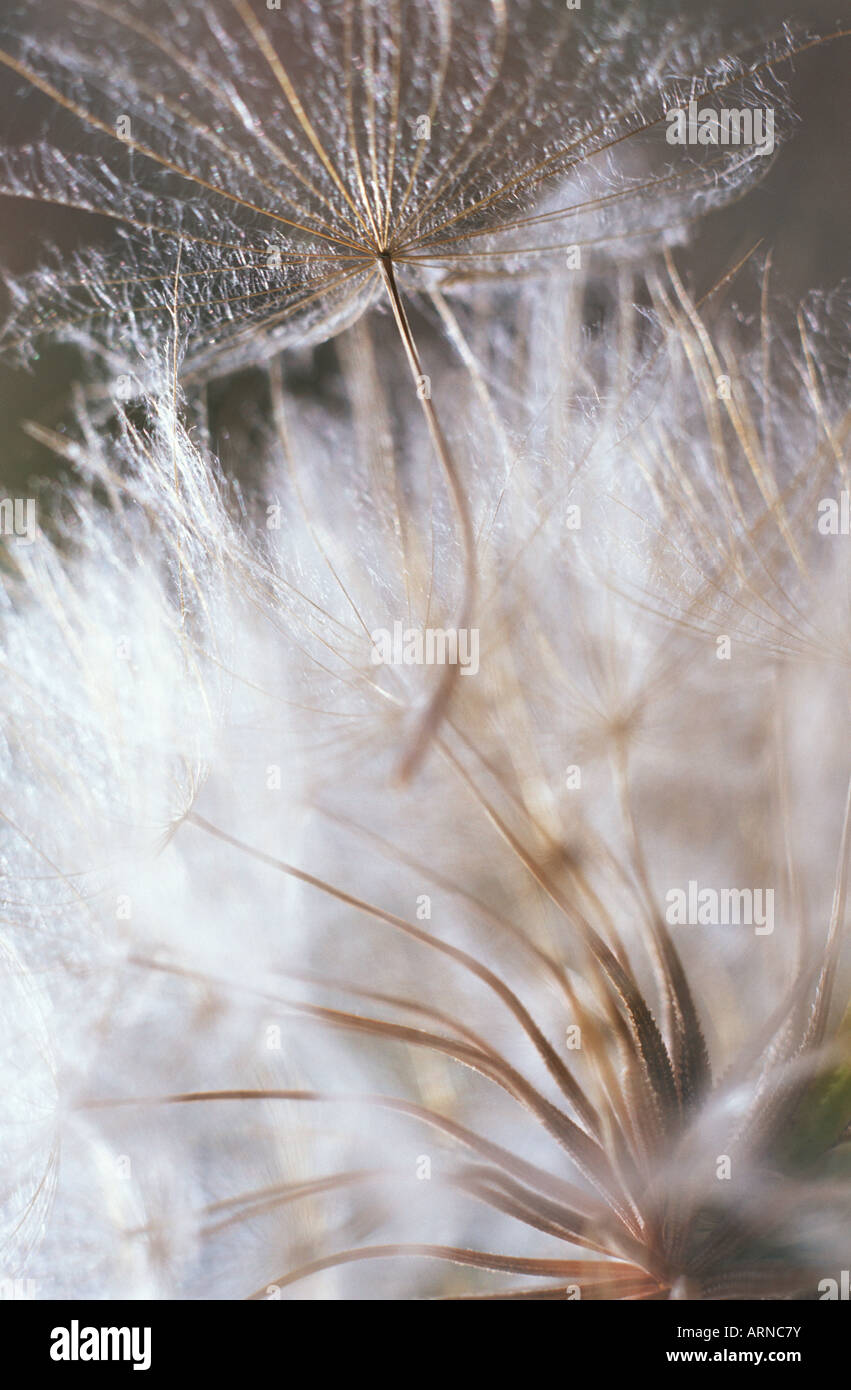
300 1022
459 142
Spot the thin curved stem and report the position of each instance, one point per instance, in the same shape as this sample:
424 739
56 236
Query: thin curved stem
439 702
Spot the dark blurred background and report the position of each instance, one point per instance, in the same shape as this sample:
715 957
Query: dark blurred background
802 209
